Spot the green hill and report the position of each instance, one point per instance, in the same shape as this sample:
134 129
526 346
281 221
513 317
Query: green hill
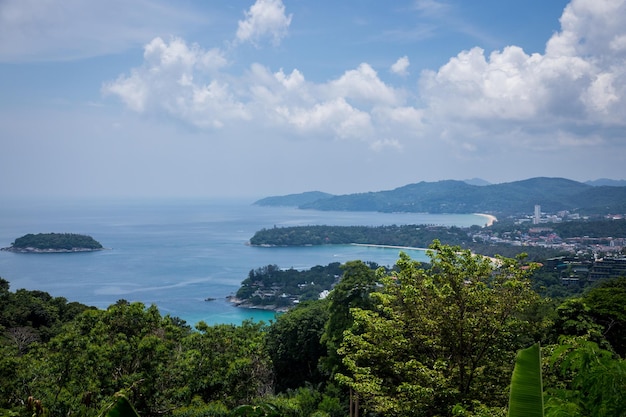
450 196
293 199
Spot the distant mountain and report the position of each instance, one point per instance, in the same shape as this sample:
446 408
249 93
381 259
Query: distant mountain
293 199
608 182
476 181
451 196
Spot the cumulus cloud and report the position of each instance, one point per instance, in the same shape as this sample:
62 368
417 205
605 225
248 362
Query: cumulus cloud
363 85
401 66
475 101
265 18
580 81
180 80
190 83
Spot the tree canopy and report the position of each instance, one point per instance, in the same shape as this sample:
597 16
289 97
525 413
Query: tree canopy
56 241
437 336
436 339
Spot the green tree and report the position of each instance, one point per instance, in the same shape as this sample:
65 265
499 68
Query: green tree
226 363
438 336
126 347
607 307
294 345
585 381
352 291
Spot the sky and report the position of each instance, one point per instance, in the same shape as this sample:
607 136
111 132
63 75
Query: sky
239 98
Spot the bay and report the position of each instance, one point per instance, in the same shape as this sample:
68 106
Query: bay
176 254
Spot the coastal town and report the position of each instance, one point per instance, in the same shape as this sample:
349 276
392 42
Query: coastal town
580 260
541 232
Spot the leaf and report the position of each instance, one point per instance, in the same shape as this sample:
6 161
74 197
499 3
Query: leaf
526 396
122 408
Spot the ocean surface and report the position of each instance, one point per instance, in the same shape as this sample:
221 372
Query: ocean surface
177 253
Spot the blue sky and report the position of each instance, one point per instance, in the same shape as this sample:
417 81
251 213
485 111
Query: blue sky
193 98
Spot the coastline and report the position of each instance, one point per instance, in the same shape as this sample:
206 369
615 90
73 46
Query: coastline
239 303
491 219
371 245
35 250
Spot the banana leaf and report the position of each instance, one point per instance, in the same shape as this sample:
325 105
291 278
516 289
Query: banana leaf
526 395
122 408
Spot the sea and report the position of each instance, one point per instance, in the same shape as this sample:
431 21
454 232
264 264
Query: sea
186 256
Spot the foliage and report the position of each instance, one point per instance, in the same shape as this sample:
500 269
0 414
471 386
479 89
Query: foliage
293 343
419 236
592 229
406 235
436 336
161 363
599 315
589 381
353 291
607 307
66 241
32 316
121 407
526 397
271 285
421 340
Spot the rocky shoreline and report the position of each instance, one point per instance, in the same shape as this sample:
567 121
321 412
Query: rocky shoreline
52 250
246 304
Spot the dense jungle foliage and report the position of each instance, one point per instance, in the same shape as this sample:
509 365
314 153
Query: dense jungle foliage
65 241
416 341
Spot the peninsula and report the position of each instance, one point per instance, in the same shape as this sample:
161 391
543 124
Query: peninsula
54 243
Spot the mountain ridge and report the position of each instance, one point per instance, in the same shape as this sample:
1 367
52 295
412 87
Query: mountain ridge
456 196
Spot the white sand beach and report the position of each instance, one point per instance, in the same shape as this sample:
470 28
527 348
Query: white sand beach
490 218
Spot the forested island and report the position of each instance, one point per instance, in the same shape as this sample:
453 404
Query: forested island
420 340
273 288
54 243
413 236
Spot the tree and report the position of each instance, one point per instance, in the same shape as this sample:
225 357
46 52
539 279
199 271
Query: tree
126 347
352 291
606 306
293 343
438 336
586 381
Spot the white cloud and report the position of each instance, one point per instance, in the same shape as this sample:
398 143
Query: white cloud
363 85
265 18
383 144
401 66
478 101
179 79
190 83
336 116
579 82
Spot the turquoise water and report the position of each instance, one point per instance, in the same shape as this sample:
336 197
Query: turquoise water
176 254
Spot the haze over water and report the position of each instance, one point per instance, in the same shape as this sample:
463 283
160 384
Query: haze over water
177 253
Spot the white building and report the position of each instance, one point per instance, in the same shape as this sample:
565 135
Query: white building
537 217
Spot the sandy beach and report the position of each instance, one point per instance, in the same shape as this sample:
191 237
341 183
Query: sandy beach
490 218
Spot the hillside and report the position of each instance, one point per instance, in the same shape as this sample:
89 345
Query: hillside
451 196
293 199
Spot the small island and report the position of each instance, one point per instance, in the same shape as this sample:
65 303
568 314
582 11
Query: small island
279 289
54 243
